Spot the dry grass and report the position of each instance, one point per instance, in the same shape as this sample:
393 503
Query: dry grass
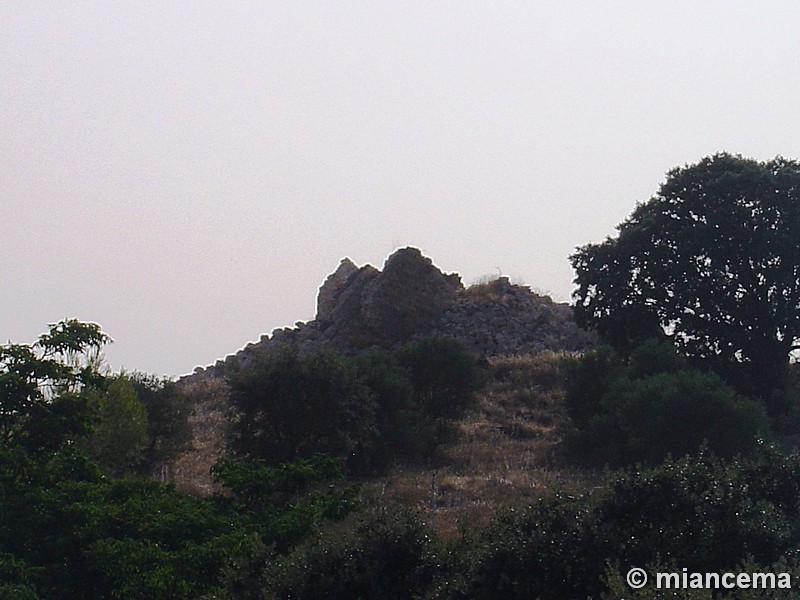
191 472
507 452
491 289
487 292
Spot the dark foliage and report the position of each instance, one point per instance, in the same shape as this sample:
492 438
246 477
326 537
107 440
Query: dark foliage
168 426
699 513
43 410
587 380
653 407
444 375
293 406
67 531
287 531
405 432
287 502
387 556
713 260
136 538
120 437
371 410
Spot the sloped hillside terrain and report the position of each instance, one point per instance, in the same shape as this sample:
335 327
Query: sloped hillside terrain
507 451
363 308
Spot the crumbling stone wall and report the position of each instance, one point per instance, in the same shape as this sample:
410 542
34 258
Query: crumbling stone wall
363 308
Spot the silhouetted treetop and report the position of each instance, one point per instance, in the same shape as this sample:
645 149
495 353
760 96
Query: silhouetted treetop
713 261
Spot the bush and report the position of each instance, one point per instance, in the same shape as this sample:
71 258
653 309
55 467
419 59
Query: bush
126 538
676 413
16 577
388 557
654 407
371 409
654 357
405 432
444 375
121 438
586 381
418 390
294 406
168 425
700 513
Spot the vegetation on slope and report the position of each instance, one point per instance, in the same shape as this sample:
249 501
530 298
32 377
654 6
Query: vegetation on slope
496 504
423 473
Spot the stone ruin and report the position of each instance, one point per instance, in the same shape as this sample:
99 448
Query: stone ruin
363 308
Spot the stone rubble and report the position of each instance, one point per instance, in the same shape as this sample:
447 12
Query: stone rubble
365 308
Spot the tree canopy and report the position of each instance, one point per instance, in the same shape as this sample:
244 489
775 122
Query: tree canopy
293 406
120 437
713 261
41 408
69 531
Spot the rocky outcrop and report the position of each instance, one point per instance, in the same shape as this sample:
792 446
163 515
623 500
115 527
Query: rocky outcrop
363 308
499 318
330 294
407 297
340 317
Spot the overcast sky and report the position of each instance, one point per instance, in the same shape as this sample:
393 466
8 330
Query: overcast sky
187 174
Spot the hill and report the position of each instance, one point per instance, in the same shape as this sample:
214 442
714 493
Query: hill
363 308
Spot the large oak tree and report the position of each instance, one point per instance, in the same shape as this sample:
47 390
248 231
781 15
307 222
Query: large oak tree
713 261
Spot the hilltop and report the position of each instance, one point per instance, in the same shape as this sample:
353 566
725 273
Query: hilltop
364 308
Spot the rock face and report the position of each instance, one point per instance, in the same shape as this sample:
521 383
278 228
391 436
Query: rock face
407 297
330 293
499 318
340 318
363 308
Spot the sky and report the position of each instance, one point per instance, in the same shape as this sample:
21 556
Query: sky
186 174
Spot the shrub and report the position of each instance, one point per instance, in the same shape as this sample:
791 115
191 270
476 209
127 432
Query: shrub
371 409
444 375
676 413
168 425
121 438
418 390
653 357
16 578
405 432
112 538
388 556
700 513
586 380
294 406
653 407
